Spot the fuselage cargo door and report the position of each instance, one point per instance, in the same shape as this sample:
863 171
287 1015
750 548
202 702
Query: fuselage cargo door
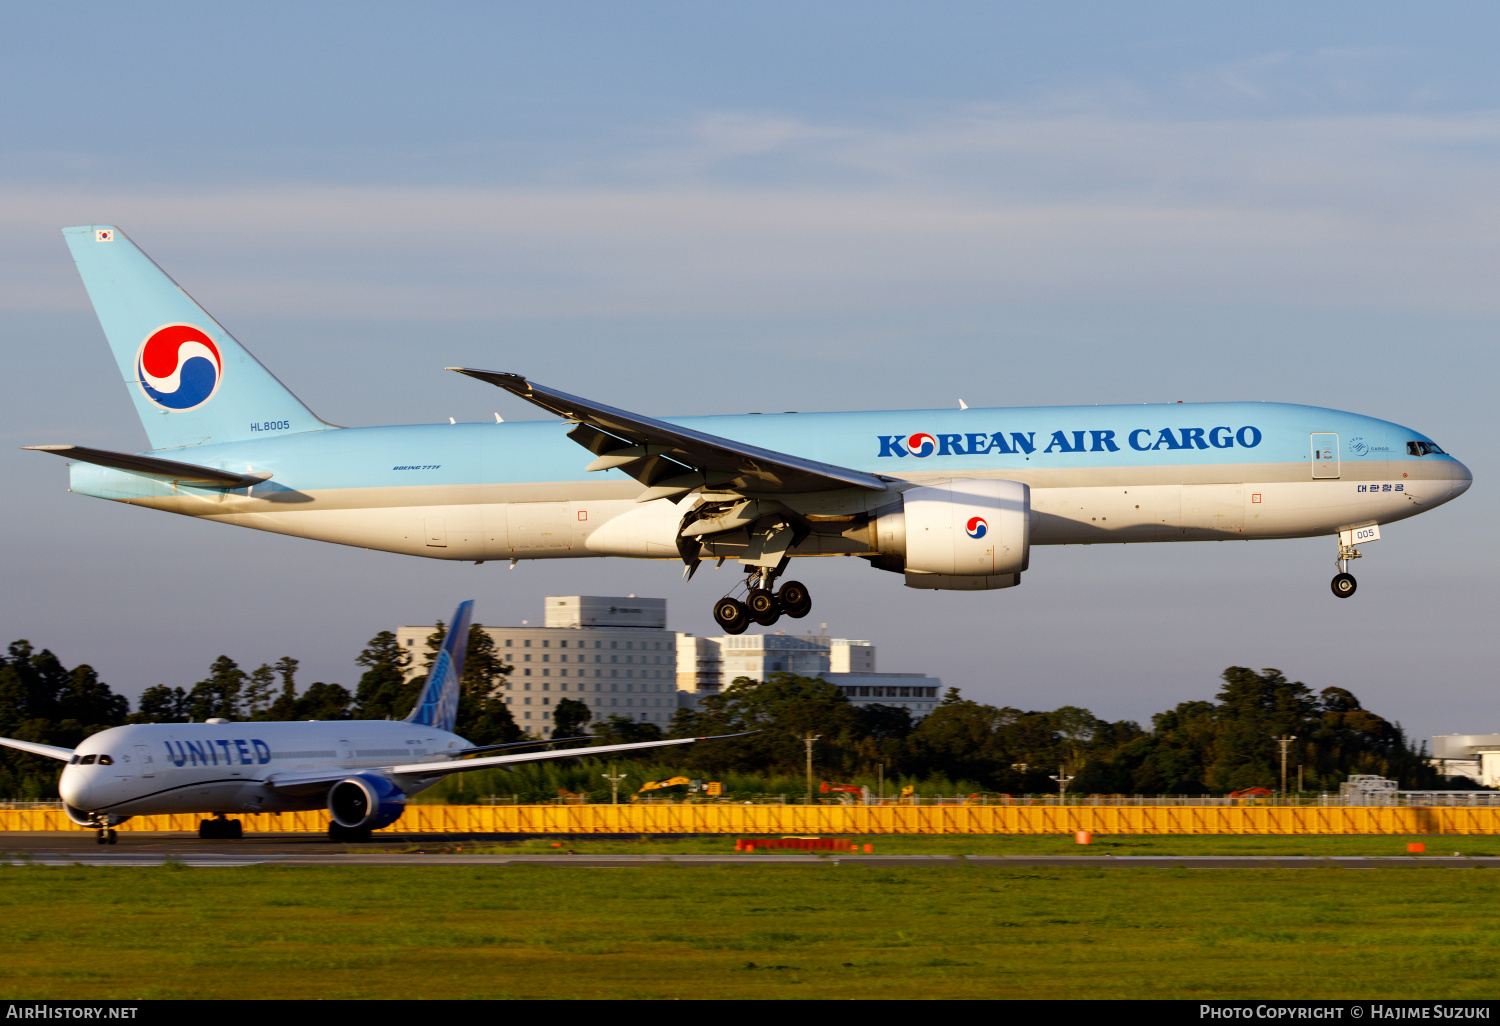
1325 454
436 532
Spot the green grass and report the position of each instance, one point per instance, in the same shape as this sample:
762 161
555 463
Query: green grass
748 931
1000 844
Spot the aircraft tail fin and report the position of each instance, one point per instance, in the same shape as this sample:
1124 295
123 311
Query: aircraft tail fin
190 380
438 704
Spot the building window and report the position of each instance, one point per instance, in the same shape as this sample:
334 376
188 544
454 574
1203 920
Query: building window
527 643
546 644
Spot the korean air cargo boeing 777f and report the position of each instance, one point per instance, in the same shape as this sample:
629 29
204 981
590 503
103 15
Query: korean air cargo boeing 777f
949 499
361 771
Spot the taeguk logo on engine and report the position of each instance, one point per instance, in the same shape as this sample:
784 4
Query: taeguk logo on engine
977 527
179 367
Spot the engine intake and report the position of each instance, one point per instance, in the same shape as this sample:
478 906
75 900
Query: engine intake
963 535
365 802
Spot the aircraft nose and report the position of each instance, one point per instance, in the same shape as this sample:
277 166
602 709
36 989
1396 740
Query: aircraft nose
73 787
1462 478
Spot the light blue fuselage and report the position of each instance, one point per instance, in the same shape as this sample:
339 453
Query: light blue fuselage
1097 474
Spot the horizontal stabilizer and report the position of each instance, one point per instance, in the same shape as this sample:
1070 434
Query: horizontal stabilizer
152 466
50 751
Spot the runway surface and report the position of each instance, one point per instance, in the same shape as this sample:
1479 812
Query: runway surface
146 849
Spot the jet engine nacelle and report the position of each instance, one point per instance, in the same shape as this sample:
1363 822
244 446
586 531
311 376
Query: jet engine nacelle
960 535
365 802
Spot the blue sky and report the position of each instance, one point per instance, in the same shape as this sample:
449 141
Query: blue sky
720 207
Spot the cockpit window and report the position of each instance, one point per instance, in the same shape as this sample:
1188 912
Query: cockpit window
73 761
87 760
1423 449
105 760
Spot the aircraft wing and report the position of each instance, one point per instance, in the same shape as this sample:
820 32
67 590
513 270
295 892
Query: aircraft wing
432 769
303 782
153 466
50 751
672 460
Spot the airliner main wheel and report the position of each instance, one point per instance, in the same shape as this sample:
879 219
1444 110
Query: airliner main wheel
795 601
1344 585
764 609
732 615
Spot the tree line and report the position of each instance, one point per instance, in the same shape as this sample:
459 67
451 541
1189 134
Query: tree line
1199 747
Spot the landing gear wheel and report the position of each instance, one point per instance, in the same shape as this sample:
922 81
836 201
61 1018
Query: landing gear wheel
220 829
100 838
109 837
1344 585
763 607
795 601
343 833
732 615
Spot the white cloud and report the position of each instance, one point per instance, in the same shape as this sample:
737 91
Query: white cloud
971 207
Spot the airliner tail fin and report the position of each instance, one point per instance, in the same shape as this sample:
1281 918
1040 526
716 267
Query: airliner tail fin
190 380
438 704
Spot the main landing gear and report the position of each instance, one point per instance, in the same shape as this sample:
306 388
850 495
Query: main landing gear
1344 583
343 833
762 604
105 835
220 829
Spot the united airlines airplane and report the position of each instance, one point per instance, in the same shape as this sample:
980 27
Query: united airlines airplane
948 499
362 771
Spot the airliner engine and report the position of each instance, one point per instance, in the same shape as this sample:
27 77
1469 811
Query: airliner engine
365 802
958 535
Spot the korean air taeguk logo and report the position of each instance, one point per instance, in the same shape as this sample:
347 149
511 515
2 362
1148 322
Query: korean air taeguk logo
977 527
179 367
921 444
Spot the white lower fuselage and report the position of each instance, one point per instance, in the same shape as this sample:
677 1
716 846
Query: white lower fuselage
1132 507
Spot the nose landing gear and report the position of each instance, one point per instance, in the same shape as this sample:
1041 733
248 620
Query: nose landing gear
1344 583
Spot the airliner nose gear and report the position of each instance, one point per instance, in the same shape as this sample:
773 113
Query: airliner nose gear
1343 583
